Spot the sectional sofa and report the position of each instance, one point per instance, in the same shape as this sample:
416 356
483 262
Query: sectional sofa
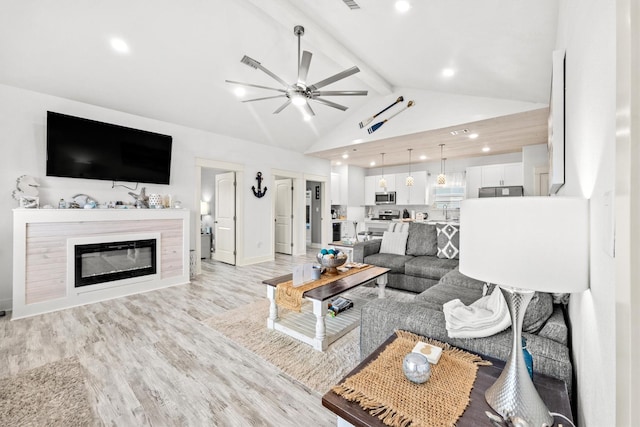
428 267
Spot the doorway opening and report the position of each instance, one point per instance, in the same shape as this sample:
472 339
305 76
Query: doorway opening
217 230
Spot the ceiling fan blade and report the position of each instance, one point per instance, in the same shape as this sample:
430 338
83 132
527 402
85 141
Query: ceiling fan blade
266 97
304 67
307 109
330 104
340 93
252 85
283 106
341 75
255 64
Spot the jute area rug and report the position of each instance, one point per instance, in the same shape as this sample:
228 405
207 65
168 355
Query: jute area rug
317 370
54 394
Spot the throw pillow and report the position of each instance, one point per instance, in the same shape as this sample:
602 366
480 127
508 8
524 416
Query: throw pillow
394 243
448 241
422 239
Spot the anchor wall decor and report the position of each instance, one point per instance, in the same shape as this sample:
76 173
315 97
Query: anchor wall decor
259 193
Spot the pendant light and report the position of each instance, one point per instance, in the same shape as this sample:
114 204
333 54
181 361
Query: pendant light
409 180
442 178
383 182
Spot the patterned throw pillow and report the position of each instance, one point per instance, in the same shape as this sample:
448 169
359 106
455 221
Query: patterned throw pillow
448 241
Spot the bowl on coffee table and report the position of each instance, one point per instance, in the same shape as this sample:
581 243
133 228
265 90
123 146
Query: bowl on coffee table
332 261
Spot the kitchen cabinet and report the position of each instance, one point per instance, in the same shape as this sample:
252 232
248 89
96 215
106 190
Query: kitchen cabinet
347 186
414 195
371 187
474 181
336 198
502 175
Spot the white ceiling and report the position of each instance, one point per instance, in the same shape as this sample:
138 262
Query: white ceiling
182 52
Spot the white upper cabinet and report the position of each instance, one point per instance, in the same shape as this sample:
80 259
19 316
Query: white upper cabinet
414 195
474 181
502 175
336 198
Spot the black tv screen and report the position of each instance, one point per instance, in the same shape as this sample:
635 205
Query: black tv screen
83 148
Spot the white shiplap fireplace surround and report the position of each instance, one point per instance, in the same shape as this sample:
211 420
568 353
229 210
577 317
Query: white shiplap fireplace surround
44 241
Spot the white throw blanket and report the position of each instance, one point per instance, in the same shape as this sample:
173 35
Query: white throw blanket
485 317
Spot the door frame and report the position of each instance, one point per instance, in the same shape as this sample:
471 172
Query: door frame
195 216
325 205
298 237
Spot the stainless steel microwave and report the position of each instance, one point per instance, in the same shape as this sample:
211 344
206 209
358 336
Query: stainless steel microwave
386 198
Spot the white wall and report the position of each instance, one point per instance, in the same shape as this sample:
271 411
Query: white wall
587 30
533 156
23 125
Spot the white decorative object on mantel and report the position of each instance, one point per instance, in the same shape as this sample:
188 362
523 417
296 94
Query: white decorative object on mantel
41 287
27 192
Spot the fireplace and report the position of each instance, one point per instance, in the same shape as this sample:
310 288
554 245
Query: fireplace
103 262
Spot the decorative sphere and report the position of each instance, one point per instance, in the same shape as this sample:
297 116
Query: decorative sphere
324 251
416 368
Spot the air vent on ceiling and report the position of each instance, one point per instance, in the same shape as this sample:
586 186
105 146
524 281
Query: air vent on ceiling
352 4
459 132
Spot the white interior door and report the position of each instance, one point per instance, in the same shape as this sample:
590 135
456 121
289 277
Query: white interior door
284 211
225 218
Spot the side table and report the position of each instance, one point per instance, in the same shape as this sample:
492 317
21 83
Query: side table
552 391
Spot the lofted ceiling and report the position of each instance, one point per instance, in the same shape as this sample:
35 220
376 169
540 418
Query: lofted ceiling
181 53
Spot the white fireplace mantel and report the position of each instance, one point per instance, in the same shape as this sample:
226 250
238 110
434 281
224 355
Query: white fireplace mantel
40 253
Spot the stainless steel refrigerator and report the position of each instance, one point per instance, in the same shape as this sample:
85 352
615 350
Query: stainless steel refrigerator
512 191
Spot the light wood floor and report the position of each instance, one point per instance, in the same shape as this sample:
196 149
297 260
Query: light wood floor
151 361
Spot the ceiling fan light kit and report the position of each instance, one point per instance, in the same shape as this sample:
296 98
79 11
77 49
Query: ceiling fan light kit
299 93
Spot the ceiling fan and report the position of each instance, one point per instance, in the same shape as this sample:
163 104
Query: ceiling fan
299 93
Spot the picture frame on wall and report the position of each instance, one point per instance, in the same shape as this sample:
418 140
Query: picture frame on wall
555 142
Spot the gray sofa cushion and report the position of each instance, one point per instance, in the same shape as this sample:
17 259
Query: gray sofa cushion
441 293
422 239
555 328
429 267
393 262
454 277
538 311
456 285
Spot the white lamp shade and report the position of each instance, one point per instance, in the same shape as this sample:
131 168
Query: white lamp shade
535 243
204 208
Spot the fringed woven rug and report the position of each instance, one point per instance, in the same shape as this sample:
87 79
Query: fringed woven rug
383 390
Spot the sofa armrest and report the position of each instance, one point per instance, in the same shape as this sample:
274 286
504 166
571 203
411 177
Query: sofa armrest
366 248
380 318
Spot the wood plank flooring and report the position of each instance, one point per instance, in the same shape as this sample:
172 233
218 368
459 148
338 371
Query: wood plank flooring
151 361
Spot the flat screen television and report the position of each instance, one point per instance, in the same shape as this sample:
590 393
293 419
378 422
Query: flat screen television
83 148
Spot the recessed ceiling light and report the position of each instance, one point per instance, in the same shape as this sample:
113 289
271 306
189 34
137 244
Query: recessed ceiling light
423 157
473 136
119 45
403 6
338 163
372 164
240 91
345 156
486 149
448 72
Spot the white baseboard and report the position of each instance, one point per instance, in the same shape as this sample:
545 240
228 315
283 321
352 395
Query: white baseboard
256 260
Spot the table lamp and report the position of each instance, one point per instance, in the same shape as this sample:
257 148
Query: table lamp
523 245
